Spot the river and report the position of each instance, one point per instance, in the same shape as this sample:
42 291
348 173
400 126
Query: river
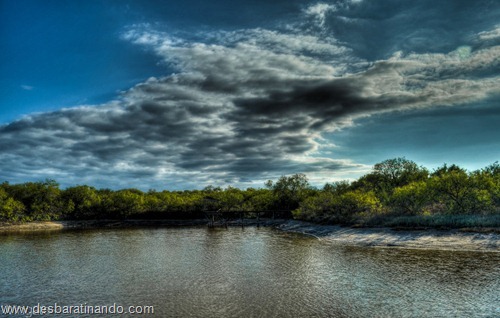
249 272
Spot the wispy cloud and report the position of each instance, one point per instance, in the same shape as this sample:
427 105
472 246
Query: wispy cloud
319 12
490 35
27 87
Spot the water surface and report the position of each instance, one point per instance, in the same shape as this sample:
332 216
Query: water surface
250 272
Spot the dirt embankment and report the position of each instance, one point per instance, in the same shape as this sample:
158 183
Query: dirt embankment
31 226
385 237
92 224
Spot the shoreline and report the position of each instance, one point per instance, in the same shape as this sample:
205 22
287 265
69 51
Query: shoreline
41 226
452 239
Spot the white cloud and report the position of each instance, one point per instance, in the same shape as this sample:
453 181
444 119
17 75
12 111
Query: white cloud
27 87
319 12
252 106
490 35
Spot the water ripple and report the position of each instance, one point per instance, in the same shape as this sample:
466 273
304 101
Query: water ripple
250 272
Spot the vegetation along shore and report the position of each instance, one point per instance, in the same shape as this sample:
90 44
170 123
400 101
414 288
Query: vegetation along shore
396 194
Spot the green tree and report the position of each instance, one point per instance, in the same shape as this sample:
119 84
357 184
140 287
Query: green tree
258 200
400 171
10 209
289 191
390 174
489 179
338 187
153 202
358 204
83 202
487 187
344 208
411 198
126 203
458 191
318 208
41 199
229 199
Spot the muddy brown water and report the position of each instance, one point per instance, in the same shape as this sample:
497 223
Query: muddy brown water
249 272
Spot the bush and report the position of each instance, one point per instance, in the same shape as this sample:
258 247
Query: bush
344 208
461 193
10 209
411 198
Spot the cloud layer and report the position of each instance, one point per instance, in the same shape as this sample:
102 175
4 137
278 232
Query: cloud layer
243 106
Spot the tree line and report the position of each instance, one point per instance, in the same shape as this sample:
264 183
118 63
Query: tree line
394 189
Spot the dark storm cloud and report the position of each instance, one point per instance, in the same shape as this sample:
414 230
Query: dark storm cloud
376 29
250 106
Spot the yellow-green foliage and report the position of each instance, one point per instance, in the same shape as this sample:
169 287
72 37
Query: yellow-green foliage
396 189
346 207
411 198
10 209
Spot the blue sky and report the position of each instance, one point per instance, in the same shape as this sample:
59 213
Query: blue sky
182 94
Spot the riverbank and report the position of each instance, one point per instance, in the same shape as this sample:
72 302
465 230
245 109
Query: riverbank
92 224
454 239
98 224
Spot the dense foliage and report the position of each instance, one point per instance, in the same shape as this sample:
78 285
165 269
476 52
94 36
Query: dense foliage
399 190
394 189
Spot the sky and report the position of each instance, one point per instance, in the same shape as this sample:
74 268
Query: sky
184 94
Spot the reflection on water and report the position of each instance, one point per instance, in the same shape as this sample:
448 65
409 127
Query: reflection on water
250 272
